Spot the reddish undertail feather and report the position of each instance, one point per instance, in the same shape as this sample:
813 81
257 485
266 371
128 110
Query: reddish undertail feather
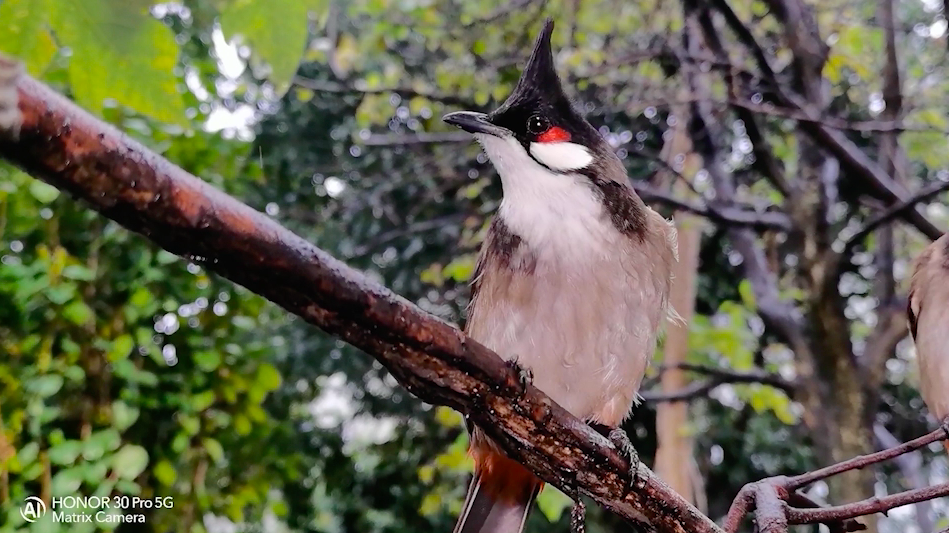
946 444
500 496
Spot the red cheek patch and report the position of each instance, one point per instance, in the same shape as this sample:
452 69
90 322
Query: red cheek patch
553 135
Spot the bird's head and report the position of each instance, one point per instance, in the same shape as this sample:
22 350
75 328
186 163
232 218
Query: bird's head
537 125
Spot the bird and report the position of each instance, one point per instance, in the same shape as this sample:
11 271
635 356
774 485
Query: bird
928 319
572 281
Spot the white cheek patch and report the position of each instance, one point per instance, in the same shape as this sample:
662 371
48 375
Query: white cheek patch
562 156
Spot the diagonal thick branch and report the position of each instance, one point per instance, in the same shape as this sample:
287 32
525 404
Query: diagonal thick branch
126 182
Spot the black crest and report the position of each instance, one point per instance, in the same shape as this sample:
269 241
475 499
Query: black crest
539 94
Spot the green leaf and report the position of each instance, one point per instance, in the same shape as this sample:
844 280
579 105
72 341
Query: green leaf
127 487
45 386
461 268
65 453
207 360
190 424
78 313
121 348
95 474
62 293
275 31
130 461
100 442
123 415
202 400
141 298
268 377
28 453
25 35
242 425
165 473
67 482
214 449
747 294
120 52
43 193
552 502
78 272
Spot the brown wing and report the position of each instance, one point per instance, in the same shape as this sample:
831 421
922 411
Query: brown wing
930 268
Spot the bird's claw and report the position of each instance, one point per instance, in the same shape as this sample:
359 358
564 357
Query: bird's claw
578 513
945 427
525 376
621 441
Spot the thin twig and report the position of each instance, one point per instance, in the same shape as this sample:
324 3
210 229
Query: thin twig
893 212
405 92
863 461
866 507
718 213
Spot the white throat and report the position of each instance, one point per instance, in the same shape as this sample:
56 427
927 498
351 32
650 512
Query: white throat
559 215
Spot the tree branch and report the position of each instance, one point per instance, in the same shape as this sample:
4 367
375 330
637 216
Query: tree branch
718 213
866 507
895 211
766 496
851 158
864 461
911 467
405 92
126 182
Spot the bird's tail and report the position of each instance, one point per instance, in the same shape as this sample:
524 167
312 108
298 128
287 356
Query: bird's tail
499 497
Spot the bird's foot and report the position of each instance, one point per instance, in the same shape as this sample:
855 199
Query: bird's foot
525 376
620 439
945 427
578 513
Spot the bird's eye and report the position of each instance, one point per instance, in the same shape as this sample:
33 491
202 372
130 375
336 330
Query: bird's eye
537 124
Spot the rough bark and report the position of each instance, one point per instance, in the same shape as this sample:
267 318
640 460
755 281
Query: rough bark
123 180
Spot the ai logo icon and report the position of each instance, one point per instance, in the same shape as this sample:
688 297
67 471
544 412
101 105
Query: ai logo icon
33 509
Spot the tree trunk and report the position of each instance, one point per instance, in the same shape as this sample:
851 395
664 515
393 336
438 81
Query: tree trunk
674 452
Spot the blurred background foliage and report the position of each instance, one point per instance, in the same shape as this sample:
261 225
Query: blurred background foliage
126 370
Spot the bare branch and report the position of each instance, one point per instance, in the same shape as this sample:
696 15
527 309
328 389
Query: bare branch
911 467
509 7
399 139
696 389
779 494
808 49
864 461
413 228
728 375
895 211
405 92
733 216
866 507
126 182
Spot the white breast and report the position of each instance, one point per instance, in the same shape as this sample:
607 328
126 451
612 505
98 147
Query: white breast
558 215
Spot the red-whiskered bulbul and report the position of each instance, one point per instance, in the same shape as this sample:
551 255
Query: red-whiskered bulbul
572 282
928 314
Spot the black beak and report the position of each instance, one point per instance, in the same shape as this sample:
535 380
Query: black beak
474 122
